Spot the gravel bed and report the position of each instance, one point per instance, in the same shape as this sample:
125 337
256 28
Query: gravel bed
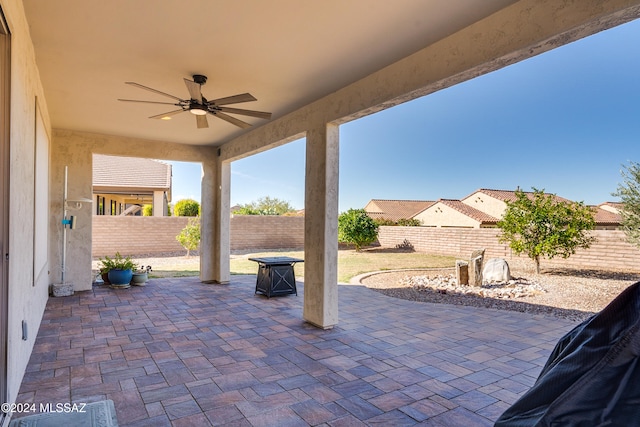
565 293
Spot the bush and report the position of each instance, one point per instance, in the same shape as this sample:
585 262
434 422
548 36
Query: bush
189 237
147 210
405 222
186 207
355 226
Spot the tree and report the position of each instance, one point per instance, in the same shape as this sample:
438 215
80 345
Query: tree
147 210
186 207
265 206
629 193
355 226
538 225
189 237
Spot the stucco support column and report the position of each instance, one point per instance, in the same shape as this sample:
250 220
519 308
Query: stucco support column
158 204
321 227
214 221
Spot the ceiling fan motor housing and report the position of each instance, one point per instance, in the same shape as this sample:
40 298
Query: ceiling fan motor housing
200 79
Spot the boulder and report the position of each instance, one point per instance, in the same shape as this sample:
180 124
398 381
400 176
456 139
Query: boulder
496 270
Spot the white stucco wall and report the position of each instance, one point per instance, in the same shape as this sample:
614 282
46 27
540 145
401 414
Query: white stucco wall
486 204
27 298
441 215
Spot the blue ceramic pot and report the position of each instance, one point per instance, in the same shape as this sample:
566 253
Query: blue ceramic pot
120 278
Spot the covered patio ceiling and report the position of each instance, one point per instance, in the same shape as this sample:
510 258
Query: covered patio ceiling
287 53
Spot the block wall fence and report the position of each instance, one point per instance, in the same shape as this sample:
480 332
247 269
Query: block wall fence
137 235
154 235
610 252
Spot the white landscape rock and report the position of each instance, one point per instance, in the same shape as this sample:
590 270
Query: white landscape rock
496 270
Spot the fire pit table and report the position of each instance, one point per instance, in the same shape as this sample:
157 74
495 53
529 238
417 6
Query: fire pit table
275 276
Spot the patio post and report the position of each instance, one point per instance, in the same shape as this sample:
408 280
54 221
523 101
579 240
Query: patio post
214 221
321 227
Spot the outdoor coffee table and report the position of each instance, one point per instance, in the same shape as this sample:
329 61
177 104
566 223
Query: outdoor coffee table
275 276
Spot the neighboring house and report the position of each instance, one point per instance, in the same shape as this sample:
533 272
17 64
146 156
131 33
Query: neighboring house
481 209
395 209
494 202
607 219
123 185
614 207
455 213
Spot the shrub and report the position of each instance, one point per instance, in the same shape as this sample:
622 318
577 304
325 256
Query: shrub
147 210
189 237
186 207
405 222
355 226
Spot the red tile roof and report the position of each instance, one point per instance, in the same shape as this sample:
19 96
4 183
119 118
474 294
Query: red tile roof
605 217
396 209
478 215
510 196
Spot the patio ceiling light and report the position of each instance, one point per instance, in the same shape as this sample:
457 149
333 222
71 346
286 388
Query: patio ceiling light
197 109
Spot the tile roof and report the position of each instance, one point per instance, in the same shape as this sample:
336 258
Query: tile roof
605 217
478 215
396 209
130 172
510 195
611 206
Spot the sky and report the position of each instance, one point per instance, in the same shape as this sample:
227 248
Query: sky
566 121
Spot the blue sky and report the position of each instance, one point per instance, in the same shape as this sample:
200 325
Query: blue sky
564 121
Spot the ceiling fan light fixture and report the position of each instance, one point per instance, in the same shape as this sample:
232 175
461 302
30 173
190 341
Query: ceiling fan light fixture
165 118
198 110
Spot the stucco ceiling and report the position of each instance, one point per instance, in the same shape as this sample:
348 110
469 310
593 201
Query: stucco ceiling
287 53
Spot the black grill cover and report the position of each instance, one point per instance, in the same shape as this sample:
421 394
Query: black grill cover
592 377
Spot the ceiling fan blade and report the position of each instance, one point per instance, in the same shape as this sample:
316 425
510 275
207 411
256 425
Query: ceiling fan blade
194 90
201 122
148 102
231 120
235 99
252 113
170 113
153 90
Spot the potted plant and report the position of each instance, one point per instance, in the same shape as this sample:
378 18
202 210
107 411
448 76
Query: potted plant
141 275
119 270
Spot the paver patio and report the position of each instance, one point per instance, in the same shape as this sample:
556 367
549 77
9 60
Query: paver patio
181 353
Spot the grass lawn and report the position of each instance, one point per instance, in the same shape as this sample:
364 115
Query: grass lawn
350 263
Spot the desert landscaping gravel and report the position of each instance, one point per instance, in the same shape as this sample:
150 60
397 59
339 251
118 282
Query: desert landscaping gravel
573 294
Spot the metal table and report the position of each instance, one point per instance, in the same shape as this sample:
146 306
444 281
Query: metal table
275 276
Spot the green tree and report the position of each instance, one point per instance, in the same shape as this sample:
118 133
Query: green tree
355 226
536 224
186 207
629 193
189 237
147 210
265 206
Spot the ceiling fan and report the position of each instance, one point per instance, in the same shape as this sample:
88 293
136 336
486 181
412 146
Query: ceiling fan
199 106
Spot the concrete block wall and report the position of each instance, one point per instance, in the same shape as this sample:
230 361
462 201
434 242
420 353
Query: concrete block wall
266 232
154 235
135 235
610 252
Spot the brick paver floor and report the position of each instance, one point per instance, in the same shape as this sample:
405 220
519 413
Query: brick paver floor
181 353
